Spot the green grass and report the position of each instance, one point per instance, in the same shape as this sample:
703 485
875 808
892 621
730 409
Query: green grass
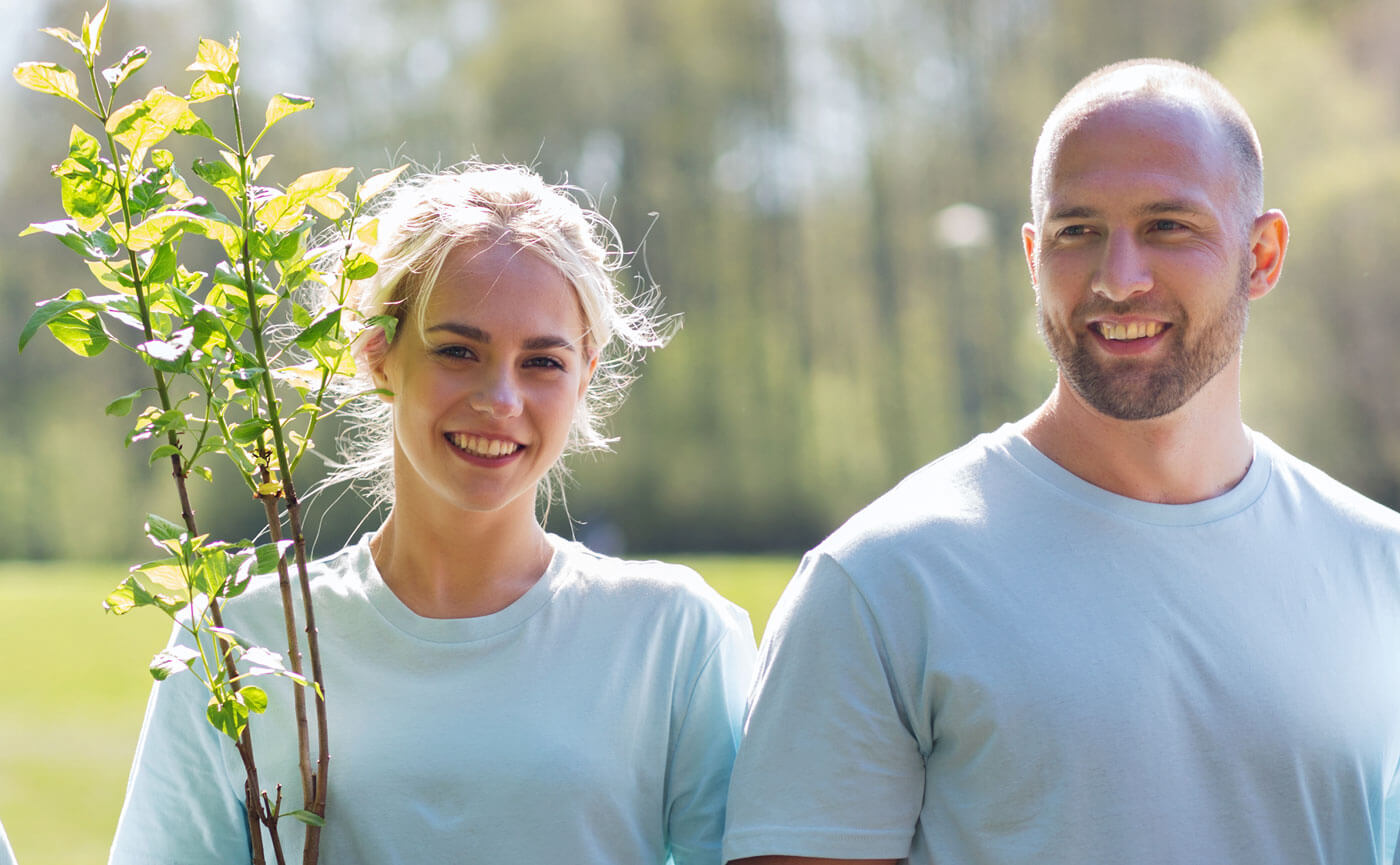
73 687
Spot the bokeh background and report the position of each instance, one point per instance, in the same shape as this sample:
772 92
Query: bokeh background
829 191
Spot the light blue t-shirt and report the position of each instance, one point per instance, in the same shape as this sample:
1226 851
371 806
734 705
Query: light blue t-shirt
7 855
593 720
999 663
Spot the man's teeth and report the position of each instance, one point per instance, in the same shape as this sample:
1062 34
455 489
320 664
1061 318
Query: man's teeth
481 446
1136 330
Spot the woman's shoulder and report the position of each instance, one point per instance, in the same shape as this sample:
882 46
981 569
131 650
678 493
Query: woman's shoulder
664 588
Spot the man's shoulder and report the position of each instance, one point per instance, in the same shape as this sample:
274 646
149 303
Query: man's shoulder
952 495
1315 495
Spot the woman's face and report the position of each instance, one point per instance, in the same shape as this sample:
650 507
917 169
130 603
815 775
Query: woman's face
485 394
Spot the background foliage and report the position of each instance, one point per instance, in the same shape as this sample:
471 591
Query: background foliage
794 167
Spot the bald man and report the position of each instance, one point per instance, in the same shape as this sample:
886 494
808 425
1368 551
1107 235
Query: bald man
1127 628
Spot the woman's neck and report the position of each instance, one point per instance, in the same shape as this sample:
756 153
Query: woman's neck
460 564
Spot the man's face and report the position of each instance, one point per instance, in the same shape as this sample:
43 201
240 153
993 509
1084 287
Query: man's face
1140 259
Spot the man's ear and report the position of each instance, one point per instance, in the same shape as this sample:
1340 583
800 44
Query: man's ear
1268 241
1028 241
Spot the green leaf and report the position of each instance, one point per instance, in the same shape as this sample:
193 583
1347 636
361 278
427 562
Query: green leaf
228 716
254 698
250 431
319 329
73 322
162 265
284 104
310 818
47 312
160 530
221 176
121 406
134 59
88 183
90 244
166 450
267 556
127 596
49 78
172 660
360 266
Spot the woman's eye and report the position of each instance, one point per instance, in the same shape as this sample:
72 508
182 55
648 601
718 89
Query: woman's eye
455 352
544 363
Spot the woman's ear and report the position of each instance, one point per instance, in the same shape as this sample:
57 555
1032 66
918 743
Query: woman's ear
372 354
588 376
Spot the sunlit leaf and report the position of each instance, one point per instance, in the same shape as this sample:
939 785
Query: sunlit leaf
360 266
48 78
94 244
172 660
218 62
88 183
228 716
254 698
378 183
221 176
314 189
284 104
92 31
74 40
134 59
264 660
141 125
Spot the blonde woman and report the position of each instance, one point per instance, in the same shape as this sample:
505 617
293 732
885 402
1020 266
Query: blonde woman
496 693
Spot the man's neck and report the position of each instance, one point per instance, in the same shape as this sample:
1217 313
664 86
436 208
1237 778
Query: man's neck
1197 452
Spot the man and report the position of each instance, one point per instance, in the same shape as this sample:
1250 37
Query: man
1126 629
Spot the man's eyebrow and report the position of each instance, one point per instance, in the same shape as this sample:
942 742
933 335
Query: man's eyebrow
1154 208
1075 212
476 334
1171 205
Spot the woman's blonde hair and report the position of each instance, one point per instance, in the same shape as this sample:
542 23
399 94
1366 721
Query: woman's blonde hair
425 217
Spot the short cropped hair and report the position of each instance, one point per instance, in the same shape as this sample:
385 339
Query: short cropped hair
426 217
1154 79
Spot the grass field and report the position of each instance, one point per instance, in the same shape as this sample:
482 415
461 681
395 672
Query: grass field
73 687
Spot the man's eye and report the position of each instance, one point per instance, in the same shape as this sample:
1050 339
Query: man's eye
1166 225
1074 231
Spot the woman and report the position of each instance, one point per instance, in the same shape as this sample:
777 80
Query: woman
495 693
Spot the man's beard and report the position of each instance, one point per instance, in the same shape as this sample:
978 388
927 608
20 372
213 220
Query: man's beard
1133 389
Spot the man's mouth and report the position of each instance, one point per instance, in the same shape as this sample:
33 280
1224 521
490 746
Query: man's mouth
1133 330
480 446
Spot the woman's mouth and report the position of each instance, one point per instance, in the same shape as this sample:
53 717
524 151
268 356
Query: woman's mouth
481 446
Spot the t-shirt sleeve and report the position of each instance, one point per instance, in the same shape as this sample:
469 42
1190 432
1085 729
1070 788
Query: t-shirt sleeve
181 805
706 741
828 766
